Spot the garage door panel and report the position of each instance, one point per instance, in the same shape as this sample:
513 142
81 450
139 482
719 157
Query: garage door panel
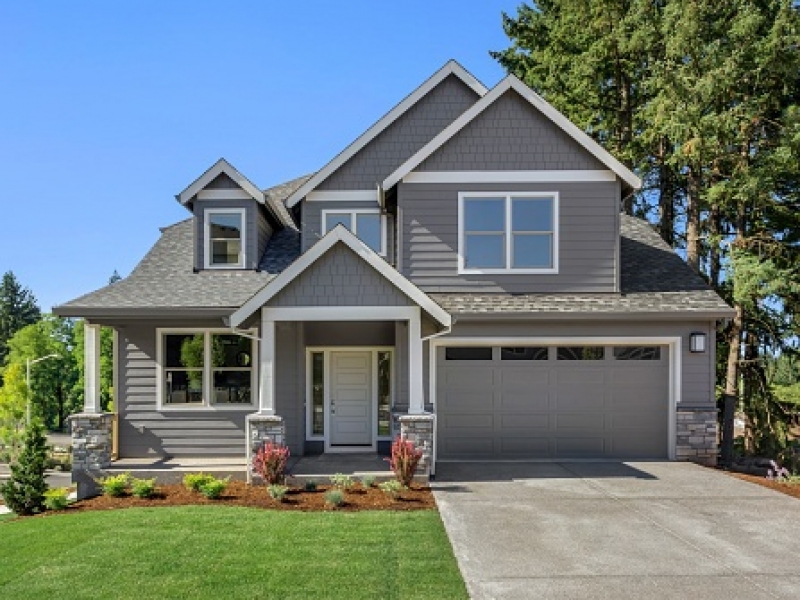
578 398
469 421
532 422
522 401
525 446
467 401
633 446
466 377
637 421
590 421
579 446
522 378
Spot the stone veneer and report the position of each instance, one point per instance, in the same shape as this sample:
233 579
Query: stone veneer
419 429
696 433
91 449
260 429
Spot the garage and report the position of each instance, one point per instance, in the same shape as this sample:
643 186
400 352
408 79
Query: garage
538 401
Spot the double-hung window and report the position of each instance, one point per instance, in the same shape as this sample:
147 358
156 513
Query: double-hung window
366 223
224 238
508 232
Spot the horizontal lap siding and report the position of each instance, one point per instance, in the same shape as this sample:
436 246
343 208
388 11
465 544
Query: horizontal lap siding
587 245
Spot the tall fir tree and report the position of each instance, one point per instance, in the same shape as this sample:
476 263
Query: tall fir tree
18 308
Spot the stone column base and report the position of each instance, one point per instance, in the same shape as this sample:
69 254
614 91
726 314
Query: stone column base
260 429
91 450
696 435
419 429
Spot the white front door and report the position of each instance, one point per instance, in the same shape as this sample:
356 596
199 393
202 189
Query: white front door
351 399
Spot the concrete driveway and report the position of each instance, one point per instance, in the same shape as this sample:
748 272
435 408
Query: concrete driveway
618 530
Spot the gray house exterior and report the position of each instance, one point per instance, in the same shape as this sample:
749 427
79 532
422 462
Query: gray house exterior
461 275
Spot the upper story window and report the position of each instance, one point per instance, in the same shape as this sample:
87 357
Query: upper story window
508 232
224 238
368 224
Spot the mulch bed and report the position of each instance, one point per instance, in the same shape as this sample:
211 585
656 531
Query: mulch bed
790 489
240 494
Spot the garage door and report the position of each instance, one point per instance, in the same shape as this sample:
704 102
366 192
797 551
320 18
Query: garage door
552 402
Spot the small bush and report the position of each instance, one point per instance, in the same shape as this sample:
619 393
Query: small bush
368 481
277 491
214 489
405 459
270 463
342 481
310 486
334 498
195 481
391 488
56 499
24 491
143 488
115 485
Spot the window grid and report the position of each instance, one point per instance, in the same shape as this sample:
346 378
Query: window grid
353 214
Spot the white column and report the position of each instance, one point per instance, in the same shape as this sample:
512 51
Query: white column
416 393
91 369
266 354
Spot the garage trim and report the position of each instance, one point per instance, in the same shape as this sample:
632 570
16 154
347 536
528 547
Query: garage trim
673 343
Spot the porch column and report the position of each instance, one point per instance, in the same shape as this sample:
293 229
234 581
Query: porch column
266 387
91 366
416 394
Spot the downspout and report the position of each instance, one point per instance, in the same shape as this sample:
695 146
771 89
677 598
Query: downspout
432 364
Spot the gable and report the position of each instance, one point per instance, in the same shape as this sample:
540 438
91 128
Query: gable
223 182
410 132
511 135
340 278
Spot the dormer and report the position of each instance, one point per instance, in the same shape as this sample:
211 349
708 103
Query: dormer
233 221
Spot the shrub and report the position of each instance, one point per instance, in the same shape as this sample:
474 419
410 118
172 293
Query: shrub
310 486
781 474
115 485
342 481
404 460
270 462
213 489
334 498
56 499
391 488
367 481
24 491
143 488
195 481
277 491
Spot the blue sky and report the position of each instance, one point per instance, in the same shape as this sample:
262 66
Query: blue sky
109 109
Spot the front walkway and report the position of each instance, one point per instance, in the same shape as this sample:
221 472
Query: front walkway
618 530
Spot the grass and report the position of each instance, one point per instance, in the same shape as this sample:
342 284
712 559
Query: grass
228 552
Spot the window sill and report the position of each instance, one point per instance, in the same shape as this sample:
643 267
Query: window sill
550 271
206 408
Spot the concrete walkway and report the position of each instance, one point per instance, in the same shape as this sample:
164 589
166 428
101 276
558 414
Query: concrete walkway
618 530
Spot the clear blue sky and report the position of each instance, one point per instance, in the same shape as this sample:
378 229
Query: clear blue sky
109 109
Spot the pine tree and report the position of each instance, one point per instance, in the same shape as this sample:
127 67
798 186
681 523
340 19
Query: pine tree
24 491
17 309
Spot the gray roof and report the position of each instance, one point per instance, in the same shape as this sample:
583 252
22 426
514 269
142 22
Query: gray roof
276 196
654 280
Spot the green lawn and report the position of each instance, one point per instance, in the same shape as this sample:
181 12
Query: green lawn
228 552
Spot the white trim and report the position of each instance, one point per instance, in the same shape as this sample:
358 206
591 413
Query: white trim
91 365
219 167
228 194
341 313
208 372
509 228
354 212
266 366
340 234
675 363
207 238
508 176
509 83
416 390
450 68
343 196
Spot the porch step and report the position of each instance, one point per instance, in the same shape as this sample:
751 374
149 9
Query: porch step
170 471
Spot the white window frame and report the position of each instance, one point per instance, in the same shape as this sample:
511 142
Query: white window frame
208 212
354 222
508 269
326 403
208 371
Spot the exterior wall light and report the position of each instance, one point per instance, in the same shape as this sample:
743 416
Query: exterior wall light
697 342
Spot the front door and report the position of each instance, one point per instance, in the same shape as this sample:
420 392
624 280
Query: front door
351 399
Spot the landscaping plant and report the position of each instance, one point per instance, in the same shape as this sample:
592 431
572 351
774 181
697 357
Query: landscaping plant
214 489
334 498
781 474
310 486
367 481
56 499
115 485
342 481
195 481
391 488
404 460
277 491
143 488
270 463
24 492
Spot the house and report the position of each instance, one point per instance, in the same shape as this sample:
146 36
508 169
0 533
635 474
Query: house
460 274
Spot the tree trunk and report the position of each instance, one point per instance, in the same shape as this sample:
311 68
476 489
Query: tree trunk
734 349
666 198
693 220
714 259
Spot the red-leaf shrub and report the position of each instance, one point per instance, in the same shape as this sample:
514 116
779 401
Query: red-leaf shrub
404 460
270 462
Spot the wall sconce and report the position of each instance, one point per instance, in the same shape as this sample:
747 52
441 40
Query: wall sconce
697 342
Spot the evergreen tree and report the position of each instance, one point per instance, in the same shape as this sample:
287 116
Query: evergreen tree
17 309
24 491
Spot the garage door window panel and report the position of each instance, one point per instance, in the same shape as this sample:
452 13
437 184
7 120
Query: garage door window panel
468 353
531 353
580 353
637 353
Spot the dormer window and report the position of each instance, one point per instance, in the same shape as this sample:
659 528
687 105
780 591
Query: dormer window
224 238
368 224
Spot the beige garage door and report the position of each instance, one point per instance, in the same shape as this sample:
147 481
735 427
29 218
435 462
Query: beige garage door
552 402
